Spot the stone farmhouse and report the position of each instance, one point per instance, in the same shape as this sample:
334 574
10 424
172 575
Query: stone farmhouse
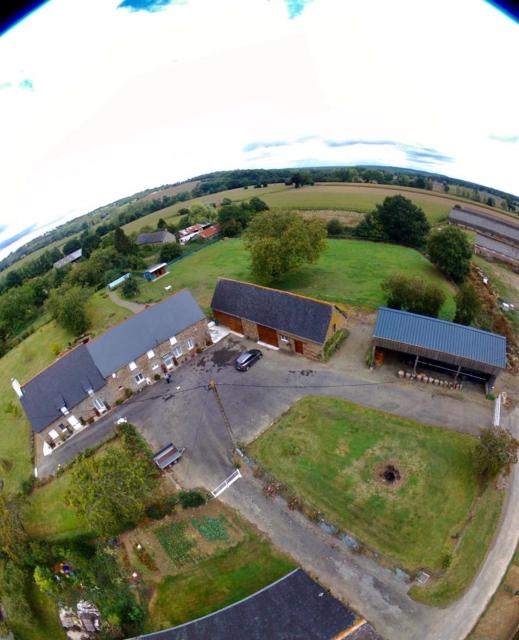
155 238
277 318
89 380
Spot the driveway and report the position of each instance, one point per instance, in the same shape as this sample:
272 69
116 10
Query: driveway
187 413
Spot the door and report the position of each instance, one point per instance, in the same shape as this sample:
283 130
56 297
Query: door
268 335
298 346
234 323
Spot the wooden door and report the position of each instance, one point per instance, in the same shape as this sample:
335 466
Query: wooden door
234 323
298 346
268 335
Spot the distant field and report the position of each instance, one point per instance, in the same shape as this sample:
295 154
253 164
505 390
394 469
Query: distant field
349 271
331 454
24 361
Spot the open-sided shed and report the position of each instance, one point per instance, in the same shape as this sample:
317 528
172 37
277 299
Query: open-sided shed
438 344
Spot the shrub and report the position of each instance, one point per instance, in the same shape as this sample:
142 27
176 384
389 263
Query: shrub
130 287
191 499
413 294
156 376
334 227
12 408
333 343
28 485
170 251
127 393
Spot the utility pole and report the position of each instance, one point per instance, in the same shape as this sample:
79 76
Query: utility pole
212 387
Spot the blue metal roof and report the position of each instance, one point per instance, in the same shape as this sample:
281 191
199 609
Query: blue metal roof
440 335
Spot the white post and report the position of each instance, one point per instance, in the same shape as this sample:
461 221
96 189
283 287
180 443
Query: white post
497 411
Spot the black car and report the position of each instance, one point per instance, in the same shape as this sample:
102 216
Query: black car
246 359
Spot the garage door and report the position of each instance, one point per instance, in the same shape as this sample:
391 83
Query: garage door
268 335
234 323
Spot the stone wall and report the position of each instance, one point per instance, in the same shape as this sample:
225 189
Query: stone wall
122 382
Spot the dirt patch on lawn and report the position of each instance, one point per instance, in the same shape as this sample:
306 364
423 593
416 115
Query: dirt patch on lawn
390 475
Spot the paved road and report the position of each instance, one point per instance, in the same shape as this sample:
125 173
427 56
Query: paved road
187 413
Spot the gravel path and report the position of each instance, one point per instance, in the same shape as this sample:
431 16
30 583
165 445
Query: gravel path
134 307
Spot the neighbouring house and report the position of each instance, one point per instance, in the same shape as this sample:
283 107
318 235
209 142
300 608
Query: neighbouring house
294 606
187 234
71 257
156 271
89 380
210 232
156 238
437 345
118 281
277 318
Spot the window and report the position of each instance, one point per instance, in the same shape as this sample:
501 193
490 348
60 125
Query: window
139 378
90 392
284 339
168 361
151 354
132 366
154 367
190 343
173 340
53 434
64 410
74 422
99 405
177 351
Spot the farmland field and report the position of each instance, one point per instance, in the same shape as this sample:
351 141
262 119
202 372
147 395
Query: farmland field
348 272
333 454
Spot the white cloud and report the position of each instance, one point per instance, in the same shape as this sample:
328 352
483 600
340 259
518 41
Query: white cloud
124 100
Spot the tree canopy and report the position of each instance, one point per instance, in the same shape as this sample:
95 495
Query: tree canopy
112 489
67 306
280 242
468 304
495 453
414 295
402 221
450 250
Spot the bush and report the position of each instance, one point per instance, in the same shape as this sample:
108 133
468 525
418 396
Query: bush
130 287
450 250
170 251
413 294
334 227
156 376
333 343
191 499
28 485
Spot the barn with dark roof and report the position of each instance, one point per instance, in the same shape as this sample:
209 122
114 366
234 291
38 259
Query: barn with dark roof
277 318
440 346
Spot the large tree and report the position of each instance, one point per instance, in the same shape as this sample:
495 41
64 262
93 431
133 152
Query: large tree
112 489
413 294
403 222
451 252
468 304
122 243
280 242
67 306
495 453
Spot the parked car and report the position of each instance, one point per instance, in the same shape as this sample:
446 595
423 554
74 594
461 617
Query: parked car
246 359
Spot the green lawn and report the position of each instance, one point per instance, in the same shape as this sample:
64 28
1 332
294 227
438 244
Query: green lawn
45 624
330 453
217 581
23 362
46 515
349 271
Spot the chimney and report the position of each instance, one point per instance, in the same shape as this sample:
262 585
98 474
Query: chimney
17 387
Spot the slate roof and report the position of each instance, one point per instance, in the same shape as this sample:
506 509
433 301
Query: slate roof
143 331
156 237
486 222
64 383
440 335
293 608
280 310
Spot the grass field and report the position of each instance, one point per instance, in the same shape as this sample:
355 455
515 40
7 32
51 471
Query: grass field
46 515
46 624
349 272
207 567
330 453
24 361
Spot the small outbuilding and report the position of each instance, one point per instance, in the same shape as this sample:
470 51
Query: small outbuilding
68 259
156 238
167 456
156 271
447 347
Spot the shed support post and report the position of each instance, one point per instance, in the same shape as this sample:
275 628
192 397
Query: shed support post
415 363
457 374
373 353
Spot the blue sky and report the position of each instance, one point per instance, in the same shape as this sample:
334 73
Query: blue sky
102 98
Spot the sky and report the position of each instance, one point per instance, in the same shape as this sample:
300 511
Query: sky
100 99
